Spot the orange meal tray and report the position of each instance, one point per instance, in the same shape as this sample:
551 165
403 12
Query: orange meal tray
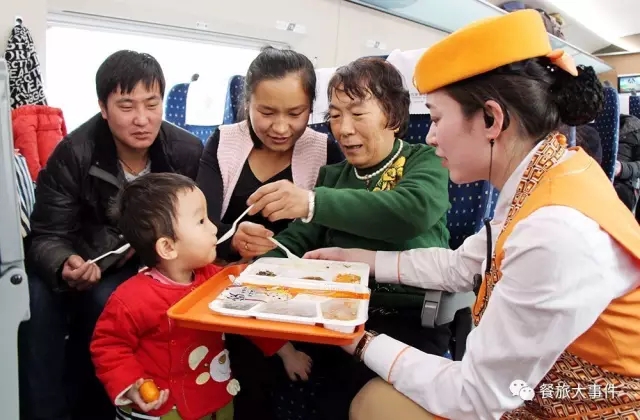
193 311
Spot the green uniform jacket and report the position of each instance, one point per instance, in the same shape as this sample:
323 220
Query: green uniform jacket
403 208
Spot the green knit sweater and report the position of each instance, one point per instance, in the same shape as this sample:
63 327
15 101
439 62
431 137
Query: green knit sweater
407 211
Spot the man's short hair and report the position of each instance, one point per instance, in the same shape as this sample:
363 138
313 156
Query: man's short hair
124 69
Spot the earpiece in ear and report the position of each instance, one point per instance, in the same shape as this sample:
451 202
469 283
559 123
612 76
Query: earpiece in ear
488 120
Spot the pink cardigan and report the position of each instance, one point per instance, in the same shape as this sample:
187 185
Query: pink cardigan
309 155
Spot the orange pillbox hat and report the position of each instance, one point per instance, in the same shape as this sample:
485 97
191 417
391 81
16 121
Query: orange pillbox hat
485 45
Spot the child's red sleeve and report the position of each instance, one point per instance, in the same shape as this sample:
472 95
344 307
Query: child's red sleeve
112 348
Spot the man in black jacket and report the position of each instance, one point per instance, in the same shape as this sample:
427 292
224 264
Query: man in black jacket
71 226
627 169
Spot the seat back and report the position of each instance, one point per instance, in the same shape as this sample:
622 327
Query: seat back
175 111
469 202
571 137
175 107
405 62
634 105
233 103
203 132
418 128
608 126
321 128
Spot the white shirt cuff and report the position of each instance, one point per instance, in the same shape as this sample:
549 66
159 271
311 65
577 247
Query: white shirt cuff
387 265
121 400
381 355
312 207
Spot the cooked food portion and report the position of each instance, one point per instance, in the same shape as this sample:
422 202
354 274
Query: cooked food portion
241 293
347 278
266 273
340 309
279 293
313 278
238 305
301 309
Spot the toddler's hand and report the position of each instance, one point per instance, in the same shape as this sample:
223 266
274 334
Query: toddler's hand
296 363
134 395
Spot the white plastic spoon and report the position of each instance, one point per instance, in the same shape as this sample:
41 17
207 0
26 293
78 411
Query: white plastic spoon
231 231
120 250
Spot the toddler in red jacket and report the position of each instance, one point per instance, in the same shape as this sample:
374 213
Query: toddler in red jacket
164 218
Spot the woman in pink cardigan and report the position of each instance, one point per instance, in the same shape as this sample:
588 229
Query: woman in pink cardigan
273 143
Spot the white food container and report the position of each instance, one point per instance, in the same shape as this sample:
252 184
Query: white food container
279 299
327 271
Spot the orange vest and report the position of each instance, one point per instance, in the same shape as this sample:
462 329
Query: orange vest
608 354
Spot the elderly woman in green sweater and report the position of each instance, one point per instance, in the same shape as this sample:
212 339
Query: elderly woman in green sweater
388 195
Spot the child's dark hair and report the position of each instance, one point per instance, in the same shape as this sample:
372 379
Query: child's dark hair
145 211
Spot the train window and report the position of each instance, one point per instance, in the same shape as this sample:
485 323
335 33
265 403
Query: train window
73 55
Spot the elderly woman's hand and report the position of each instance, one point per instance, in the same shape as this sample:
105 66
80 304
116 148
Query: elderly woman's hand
280 200
252 240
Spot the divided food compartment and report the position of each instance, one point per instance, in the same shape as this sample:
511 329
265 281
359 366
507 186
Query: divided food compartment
336 306
309 270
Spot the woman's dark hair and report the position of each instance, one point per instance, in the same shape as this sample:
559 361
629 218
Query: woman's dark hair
537 93
145 211
377 77
273 63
